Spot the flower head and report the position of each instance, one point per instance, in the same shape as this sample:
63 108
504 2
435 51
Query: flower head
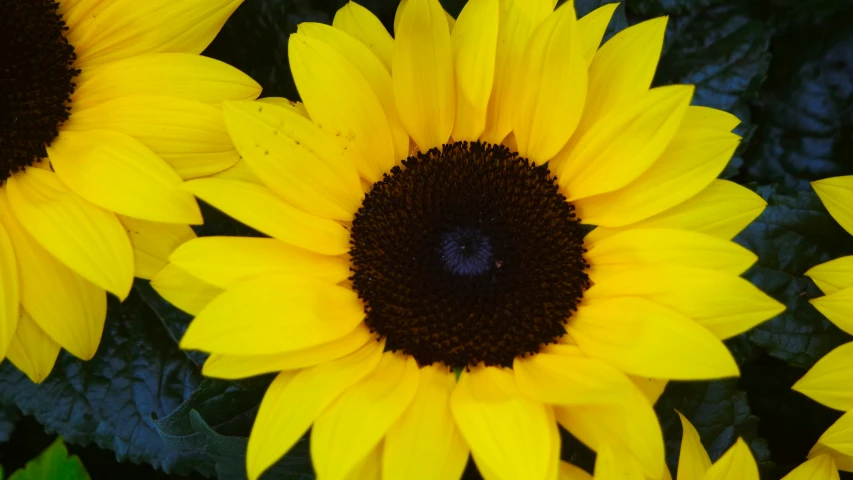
105 109
430 288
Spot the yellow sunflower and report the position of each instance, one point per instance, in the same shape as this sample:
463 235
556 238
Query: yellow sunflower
105 108
427 291
693 463
829 380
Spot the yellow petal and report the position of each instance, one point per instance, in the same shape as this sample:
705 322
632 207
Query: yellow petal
551 87
571 472
346 432
567 377
371 69
821 467
837 195
370 468
277 313
474 42
838 308
70 309
295 159
611 466
347 110
723 303
834 275
10 298
76 12
188 134
183 290
180 75
663 246
693 460
357 21
261 209
647 339
296 107
630 428
153 243
509 434
652 388
125 28
118 173
622 69
829 380
234 367
736 464
32 351
239 172
226 261
838 441
721 210
707 117
87 239
294 400
591 28
399 14
617 150
518 19
424 86
425 444
693 159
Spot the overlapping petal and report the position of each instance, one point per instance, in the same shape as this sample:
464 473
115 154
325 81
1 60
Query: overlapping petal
510 435
280 313
425 443
648 339
296 398
86 238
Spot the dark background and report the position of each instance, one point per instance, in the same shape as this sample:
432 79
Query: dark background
140 409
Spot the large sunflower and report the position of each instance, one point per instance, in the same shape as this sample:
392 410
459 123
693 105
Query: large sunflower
428 291
829 380
105 108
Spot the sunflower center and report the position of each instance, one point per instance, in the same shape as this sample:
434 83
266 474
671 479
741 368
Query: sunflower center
467 255
36 84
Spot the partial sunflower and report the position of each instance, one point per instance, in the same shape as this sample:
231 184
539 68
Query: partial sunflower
427 291
105 108
694 463
829 380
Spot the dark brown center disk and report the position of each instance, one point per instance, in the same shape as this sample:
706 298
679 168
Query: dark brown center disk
468 255
36 81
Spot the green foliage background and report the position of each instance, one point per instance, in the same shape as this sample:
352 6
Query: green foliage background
785 67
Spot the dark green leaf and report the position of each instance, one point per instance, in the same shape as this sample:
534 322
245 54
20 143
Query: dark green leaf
215 422
53 464
720 414
109 401
723 51
807 111
793 234
654 8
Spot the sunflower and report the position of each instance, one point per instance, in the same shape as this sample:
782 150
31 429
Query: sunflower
429 289
828 381
105 109
693 463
